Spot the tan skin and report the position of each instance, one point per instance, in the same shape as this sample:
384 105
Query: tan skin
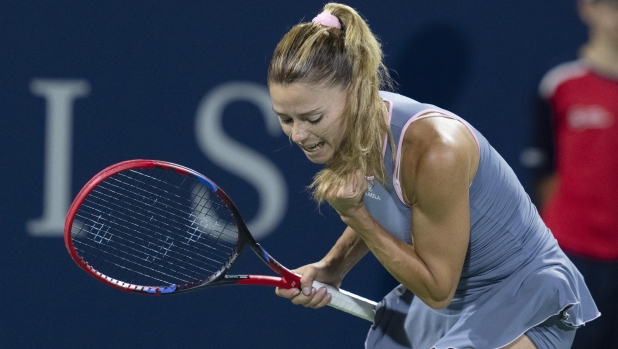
439 161
601 50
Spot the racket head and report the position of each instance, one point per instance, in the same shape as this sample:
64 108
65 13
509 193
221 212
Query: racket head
154 227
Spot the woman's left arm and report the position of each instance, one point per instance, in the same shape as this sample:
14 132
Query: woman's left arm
438 161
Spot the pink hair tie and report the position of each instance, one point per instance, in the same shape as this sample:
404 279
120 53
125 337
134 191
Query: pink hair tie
326 19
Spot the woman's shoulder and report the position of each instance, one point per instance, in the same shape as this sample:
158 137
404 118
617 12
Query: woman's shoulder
439 143
435 130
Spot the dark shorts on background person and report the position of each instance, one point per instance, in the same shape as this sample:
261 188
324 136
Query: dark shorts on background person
602 280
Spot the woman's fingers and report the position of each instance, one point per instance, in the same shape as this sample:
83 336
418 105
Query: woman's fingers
287 292
321 299
316 298
307 295
349 196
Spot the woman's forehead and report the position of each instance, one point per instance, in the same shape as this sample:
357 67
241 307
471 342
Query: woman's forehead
304 99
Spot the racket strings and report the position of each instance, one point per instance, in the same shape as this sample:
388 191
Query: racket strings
167 217
153 226
198 191
213 210
144 249
151 250
147 231
131 249
142 273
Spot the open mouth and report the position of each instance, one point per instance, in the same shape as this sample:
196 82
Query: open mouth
314 148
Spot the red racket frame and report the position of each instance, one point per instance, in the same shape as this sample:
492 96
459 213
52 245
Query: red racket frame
287 278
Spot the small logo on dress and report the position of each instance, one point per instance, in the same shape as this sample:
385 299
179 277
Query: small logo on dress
369 191
372 195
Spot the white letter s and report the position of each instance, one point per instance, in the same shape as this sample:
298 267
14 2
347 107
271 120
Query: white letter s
242 160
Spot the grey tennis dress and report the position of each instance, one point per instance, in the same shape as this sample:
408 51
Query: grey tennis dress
515 278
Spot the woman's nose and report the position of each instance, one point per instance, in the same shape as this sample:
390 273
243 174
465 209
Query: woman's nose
298 134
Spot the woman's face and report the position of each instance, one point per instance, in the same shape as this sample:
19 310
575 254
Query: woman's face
311 115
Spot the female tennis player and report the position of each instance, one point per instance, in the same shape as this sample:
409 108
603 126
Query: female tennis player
424 191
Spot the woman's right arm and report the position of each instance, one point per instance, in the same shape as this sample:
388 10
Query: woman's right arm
347 251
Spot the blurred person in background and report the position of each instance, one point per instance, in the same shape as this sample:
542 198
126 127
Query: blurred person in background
576 179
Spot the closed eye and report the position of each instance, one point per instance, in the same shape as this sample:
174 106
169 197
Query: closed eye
315 121
285 120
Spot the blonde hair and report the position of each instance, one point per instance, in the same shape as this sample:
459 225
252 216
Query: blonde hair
349 58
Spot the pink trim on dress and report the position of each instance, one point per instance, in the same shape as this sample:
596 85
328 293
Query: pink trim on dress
403 131
388 122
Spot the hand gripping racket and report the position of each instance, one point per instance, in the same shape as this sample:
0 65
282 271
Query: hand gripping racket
153 227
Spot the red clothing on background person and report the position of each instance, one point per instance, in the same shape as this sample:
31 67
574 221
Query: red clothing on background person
583 212
575 164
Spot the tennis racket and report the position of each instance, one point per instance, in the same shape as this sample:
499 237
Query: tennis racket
154 227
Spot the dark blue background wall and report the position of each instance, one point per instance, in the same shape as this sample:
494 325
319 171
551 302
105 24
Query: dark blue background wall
138 75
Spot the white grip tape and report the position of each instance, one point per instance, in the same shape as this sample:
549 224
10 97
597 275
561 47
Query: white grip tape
349 302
